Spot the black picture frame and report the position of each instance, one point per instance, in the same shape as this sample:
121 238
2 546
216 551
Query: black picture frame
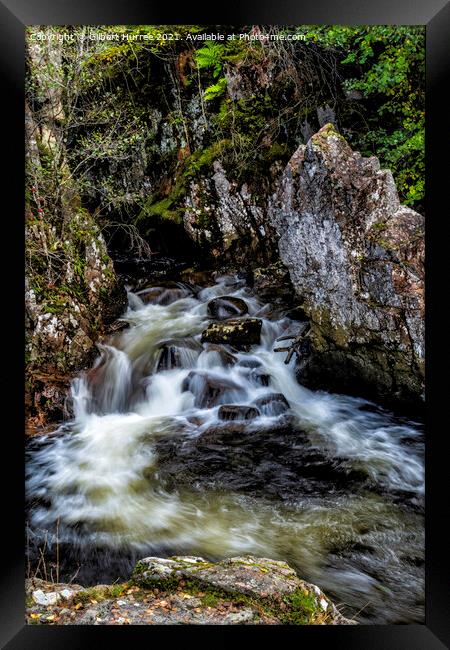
14 16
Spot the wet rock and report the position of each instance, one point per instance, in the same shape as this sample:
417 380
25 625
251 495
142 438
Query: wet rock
197 277
226 307
209 389
252 455
250 363
259 377
164 293
169 358
272 284
226 358
273 404
237 332
47 399
234 412
118 326
177 354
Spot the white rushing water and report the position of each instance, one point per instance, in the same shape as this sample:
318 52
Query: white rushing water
98 477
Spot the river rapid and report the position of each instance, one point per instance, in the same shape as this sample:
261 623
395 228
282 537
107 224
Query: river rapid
151 464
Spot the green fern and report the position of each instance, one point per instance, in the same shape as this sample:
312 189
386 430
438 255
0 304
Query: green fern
210 56
215 90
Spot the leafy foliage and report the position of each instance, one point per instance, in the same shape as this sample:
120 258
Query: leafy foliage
385 65
215 90
210 56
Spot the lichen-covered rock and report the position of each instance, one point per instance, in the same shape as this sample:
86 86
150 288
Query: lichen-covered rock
235 331
225 218
355 257
188 590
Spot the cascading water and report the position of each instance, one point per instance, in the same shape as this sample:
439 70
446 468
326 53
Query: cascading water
179 446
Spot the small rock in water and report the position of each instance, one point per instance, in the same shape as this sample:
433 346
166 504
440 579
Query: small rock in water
273 404
226 358
259 377
250 363
238 332
227 306
164 293
234 412
207 388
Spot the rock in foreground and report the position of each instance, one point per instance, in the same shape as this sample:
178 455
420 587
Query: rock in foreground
188 590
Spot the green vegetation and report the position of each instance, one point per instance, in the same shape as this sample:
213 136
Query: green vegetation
385 65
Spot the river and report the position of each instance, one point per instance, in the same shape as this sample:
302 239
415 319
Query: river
151 464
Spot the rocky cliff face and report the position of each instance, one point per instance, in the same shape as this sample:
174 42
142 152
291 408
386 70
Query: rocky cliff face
354 254
356 262
71 290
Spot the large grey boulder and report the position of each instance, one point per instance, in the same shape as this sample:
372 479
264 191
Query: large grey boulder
356 262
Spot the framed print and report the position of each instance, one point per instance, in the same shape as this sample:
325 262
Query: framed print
230 264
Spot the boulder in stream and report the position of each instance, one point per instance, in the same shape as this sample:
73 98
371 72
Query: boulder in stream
226 307
237 332
208 388
226 357
164 293
235 412
177 354
272 404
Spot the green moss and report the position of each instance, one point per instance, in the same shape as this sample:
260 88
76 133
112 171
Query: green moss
302 608
276 152
95 593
